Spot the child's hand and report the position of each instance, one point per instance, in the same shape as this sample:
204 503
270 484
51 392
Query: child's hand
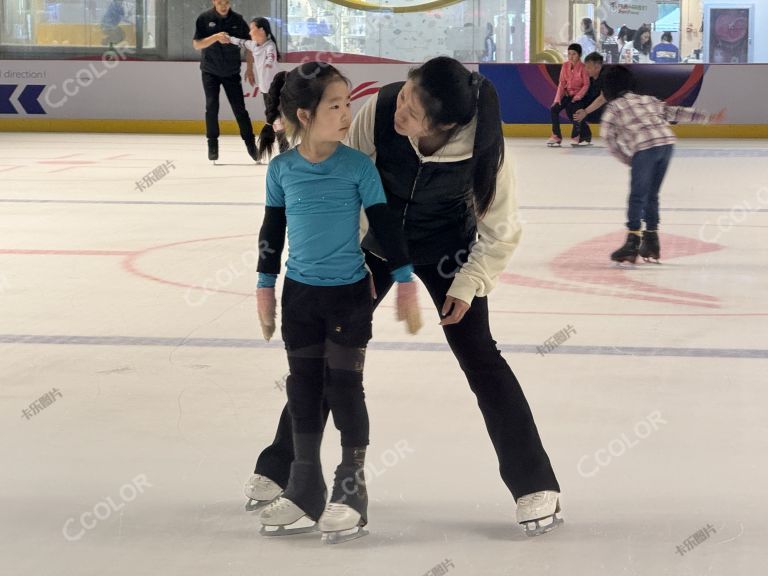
717 117
266 304
223 37
250 78
408 306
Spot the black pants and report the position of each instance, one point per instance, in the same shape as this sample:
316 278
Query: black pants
570 108
523 462
233 88
326 330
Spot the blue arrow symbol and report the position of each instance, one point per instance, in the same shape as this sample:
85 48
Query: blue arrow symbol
6 90
28 99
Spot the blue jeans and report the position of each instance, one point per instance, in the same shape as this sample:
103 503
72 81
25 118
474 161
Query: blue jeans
648 170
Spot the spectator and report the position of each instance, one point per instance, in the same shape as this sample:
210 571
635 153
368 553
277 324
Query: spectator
665 52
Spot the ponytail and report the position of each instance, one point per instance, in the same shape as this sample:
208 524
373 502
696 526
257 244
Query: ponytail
267 135
488 149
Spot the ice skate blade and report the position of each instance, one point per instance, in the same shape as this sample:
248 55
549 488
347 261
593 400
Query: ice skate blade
217 163
536 528
344 535
291 530
628 264
554 145
651 260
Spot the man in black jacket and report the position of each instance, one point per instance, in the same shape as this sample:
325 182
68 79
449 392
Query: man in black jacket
220 65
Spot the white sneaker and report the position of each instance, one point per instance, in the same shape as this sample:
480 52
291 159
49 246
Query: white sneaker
537 512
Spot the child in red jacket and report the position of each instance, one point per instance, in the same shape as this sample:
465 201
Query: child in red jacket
571 88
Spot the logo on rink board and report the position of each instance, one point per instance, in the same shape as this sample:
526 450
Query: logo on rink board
26 100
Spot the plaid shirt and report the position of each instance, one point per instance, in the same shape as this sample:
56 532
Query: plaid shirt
634 122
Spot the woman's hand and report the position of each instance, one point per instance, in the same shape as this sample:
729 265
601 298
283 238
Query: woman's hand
266 304
453 311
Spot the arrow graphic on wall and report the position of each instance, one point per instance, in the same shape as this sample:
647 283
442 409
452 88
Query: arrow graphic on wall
27 99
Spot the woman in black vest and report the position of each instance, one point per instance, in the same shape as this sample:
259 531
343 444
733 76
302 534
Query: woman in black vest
439 149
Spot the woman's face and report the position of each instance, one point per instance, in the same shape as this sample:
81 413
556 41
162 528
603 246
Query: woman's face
410 116
645 37
573 56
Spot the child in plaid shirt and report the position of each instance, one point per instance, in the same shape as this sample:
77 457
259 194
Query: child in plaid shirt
637 131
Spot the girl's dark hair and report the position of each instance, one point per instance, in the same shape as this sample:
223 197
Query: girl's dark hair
608 28
618 81
576 48
640 46
626 34
589 28
666 37
452 94
303 87
264 24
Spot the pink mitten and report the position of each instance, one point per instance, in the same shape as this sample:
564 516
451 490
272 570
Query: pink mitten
408 306
267 306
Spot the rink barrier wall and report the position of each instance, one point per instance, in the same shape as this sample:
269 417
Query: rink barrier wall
167 97
229 128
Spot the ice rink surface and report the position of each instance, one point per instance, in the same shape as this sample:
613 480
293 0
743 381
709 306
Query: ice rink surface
136 392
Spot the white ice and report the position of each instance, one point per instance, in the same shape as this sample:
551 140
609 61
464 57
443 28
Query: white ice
136 306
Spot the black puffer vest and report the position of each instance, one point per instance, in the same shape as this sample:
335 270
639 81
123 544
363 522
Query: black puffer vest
433 199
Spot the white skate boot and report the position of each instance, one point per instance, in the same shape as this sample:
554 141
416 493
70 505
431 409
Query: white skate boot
537 512
260 491
341 523
282 517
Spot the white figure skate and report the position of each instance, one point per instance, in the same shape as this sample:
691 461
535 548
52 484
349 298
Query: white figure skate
260 491
282 518
538 512
341 523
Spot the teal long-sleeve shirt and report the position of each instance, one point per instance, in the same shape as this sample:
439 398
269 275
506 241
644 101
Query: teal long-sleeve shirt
322 205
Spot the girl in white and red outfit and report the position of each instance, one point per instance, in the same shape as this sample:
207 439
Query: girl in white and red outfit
263 46
573 85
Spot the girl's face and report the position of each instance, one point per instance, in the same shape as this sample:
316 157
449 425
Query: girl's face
331 119
645 38
258 35
573 56
410 116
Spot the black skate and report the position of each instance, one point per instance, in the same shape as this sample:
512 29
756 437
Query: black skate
649 247
213 149
628 252
347 513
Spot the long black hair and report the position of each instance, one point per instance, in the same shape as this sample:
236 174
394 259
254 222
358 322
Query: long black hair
589 28
303 87
264 24
452 94
640 46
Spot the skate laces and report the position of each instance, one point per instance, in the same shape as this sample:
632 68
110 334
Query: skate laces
335 509
279 504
